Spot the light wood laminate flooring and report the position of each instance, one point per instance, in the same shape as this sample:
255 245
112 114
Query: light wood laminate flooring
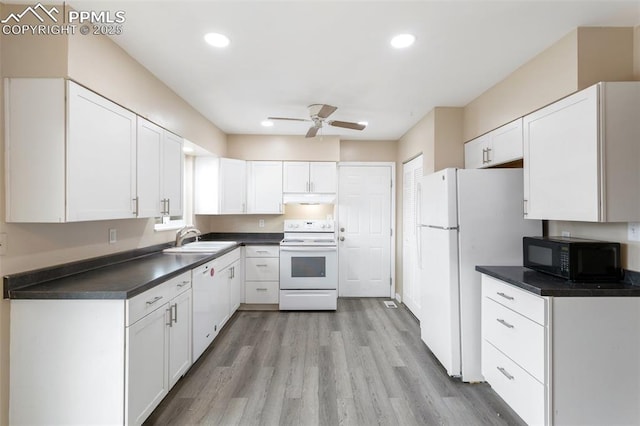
361 365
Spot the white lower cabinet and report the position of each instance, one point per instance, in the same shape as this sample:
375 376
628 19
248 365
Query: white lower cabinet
98 361
562 360
262 274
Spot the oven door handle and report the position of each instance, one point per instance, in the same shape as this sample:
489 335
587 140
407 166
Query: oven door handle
308 249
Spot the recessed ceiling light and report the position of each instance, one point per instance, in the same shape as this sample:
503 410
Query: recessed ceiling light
403 40
267 123
216 39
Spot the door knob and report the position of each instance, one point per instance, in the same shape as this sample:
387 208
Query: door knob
341 238
341 229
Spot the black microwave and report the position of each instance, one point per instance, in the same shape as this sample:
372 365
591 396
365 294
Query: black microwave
574 259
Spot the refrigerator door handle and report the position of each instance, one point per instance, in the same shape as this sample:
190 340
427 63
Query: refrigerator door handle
444 228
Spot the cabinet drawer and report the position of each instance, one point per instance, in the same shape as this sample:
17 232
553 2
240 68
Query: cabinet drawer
226 259
521 301
524 394
516 336
262 269
261 292
179 284
262 251
147 302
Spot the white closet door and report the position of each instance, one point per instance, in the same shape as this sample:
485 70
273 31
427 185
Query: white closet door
411 272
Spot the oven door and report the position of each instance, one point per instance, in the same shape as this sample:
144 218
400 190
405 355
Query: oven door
304 268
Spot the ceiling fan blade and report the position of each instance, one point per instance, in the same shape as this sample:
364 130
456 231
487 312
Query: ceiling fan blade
288 119
326 110
313 130
346 124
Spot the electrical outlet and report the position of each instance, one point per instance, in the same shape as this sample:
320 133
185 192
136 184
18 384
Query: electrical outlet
633 231
112 236
261 223
566 234
3 244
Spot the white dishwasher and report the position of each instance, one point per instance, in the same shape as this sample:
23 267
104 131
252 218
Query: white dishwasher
203 285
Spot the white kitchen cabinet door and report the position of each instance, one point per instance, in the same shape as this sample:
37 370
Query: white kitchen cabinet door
505 143
296 176
581 156
179 336
147 365
310 177
561 166
323 177
233 184
264 187
149 147
101 157
236 284
172 174
221 299
499 146
475 152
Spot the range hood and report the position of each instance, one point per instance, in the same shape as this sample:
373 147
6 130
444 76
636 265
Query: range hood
308 198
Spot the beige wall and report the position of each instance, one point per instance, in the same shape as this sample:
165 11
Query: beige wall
286 148
581 58
358 150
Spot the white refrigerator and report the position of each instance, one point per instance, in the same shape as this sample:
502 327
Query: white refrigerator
468 217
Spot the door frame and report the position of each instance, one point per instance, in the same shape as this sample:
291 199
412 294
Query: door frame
394 233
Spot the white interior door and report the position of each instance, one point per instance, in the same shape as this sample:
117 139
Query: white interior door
411 268
364 230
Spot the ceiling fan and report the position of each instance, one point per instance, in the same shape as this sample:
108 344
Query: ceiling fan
319 114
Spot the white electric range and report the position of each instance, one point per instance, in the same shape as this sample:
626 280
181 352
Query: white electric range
309 265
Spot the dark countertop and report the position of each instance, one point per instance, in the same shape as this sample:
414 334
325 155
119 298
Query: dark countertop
548 285
121 275
253 239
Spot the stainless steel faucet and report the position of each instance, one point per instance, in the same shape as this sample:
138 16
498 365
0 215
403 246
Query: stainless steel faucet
184 233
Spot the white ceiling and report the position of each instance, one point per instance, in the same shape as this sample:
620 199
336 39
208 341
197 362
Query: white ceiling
286 55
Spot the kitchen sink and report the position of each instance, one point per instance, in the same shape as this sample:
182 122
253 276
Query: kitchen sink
201 247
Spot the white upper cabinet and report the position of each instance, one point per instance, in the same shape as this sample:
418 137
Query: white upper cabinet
172 174
149 166
87 174
160 171
581 156
101 152
84 158
220 186
499 146
309 177
264 187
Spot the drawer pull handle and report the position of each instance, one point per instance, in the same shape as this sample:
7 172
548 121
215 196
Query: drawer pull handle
507 375
261 289
262 251
155 299
262 265
503 322
182 284
506 296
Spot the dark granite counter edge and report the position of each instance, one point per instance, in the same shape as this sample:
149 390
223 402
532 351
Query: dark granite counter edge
557 286
517 283
18 284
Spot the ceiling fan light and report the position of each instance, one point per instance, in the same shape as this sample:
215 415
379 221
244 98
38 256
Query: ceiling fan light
267 123
402 41
217 40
